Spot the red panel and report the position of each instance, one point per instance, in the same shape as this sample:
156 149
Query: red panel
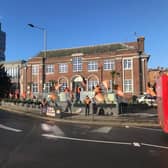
162 99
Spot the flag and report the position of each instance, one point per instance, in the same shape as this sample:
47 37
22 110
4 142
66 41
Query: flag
83 83
99 97
57 86
106 84
150 91
119 92
52 96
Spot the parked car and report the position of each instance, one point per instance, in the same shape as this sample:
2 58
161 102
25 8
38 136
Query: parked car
147 99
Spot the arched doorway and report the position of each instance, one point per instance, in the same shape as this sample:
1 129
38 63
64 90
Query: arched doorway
80 81
92 82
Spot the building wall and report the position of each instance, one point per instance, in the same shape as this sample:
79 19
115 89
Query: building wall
133 51
153 74
13 70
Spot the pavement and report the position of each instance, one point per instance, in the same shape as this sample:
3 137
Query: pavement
140 119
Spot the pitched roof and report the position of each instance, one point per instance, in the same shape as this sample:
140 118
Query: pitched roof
85 50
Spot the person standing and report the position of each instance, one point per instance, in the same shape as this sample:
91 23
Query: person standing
94 106
68 101
44 104
87 102
78 90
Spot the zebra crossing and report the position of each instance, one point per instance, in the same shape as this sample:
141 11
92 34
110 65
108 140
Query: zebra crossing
102 130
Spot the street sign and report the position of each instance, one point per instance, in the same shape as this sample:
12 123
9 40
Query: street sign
50 111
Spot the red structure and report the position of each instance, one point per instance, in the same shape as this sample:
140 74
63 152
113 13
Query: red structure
162 99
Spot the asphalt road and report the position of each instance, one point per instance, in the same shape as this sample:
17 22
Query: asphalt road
26 142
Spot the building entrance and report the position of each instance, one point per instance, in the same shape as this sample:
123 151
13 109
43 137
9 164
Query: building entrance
78 81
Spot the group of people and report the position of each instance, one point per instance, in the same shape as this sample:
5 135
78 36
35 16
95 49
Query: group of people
69 96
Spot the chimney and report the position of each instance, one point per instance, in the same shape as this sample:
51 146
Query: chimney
140 42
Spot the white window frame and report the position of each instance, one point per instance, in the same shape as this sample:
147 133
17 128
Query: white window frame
128 85
92 66
49 68
77 64
34 87
63 68
35 69
127 64
109 64
92 83
48 86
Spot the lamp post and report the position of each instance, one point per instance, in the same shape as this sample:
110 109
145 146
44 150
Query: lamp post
45 51
101 72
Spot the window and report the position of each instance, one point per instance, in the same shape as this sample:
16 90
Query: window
48 86
50 68
77 64
63 68
12 72
63 83
92 66
127 63
127 85
35 69
109 64
34 87
110 85
91 84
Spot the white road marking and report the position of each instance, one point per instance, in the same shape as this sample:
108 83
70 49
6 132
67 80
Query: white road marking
9 128
54 129
85 140
136 144
155 146
102 130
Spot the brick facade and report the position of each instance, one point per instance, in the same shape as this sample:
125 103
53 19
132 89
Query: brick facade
100 58
153 74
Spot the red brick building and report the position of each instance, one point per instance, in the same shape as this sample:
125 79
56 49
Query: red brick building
154 73
87 67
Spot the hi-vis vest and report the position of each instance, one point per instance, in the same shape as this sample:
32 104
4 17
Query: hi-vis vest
87 101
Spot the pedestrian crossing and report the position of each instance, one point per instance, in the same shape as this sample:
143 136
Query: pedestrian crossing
81 129
102 130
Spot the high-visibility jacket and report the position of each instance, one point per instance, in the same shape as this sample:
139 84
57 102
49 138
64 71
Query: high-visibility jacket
87 100
78 89
97 89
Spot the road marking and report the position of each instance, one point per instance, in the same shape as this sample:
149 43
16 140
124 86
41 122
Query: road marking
136 144
155 146
102 130
54 129
85 140
9 128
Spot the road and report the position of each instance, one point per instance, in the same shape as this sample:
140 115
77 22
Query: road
27 142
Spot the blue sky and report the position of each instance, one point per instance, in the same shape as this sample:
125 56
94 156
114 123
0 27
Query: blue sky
75 23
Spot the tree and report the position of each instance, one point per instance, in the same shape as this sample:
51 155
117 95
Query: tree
5 82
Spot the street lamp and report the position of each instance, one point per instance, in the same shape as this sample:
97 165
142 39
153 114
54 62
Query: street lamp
45 51
101 72
44 36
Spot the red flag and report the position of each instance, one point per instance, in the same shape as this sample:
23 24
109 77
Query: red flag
119 92
150 91
57 86
106 84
